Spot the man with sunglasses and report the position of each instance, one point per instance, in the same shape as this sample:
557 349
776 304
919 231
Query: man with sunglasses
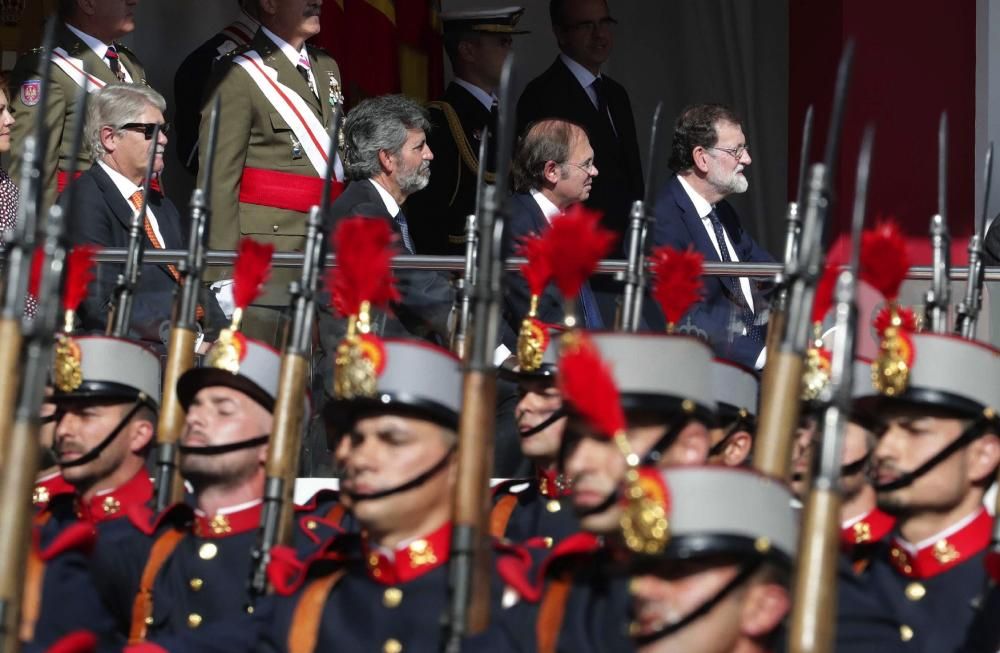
709 154
87 33
121 124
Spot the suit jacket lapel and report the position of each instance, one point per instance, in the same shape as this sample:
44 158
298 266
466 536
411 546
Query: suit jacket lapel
695 226
169 229
77 49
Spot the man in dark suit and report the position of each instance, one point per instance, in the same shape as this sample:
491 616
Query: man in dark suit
574 89
991 244
477 43
119 130
709 154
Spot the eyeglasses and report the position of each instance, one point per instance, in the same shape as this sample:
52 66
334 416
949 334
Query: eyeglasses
591 26
587 166
147 128
735 152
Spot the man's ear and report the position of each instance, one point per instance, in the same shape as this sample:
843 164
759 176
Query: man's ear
107 136
984 457
386 161
466 51
765 606
142 431
552 172
269 7
737 448
700 157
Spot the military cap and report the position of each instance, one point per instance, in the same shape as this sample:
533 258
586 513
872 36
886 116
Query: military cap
717 510
103 367
502 20
660 372
256 376
411 377
735 389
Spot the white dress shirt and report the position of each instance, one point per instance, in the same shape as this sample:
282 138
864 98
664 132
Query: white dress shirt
100 48
486 99
549 210
291 53
127 188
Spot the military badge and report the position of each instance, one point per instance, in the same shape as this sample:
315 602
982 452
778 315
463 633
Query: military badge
31 92
336 96
229 350
296 147
68 370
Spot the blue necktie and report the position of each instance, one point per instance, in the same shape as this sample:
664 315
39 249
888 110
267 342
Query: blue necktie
733 282
588 306
404 230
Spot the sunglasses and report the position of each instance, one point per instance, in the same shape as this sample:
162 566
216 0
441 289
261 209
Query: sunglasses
146 128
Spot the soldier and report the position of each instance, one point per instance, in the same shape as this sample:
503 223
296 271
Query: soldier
736 389
192 76
86 34
278 96
935 404
722 583
477 43
386 588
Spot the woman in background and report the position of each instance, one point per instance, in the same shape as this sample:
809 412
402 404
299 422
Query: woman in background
8 189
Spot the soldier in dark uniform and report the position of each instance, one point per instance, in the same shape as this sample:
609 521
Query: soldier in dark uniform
723 581
938 451
86 36
477 42
736 394
192 77
278 97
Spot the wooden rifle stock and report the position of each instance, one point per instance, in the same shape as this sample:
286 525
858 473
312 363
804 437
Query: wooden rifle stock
170 426
283 461
814 609
775 329
773 448
10 366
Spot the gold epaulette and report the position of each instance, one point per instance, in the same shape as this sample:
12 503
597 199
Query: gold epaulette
468 155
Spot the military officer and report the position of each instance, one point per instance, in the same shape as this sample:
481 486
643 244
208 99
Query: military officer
278 96
934 402
722 582
736 388
86 39
477 43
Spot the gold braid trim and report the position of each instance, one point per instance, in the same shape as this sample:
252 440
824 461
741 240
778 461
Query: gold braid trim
465 150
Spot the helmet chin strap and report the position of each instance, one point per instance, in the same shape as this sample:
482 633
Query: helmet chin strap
417 481
974 431
556 415
219 449
746 570
740 424
674 428
609 501
103 444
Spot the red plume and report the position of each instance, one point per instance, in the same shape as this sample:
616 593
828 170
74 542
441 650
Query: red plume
538 270
79 274
363 271
823 300
251 271
78 641
577 242
884 262
35 277
677 284
587 383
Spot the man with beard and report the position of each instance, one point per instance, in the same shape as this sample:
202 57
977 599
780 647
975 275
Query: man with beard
86 37
709 153
387 159
736 389
938 451
722 584
277 97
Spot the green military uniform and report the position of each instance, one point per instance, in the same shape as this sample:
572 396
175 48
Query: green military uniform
255 139
60 108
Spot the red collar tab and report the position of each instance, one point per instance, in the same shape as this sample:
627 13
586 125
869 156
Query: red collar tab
869 529
116 503
420 556
224 525
51 486
552 484
946 552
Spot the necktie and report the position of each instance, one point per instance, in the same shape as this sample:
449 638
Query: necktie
404 230
588 306
136 199
602 102
304 67
114 63
732 282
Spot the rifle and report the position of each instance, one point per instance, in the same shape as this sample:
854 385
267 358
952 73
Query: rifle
470 569
17 268
640 219
276 519
183 333
938 295
468 279
22 454
120 313
815 606
780 415
967 312
793 232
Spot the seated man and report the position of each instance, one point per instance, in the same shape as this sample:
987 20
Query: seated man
715 587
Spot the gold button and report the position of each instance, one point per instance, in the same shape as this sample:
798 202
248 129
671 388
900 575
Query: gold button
762 544
311 524
274 228
905 633
392 597
249 609
207 551
915 591
195 584
553 506
194 620
392 646
148 620
548 542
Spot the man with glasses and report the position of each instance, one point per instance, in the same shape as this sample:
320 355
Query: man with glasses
121 122
574 89
709 154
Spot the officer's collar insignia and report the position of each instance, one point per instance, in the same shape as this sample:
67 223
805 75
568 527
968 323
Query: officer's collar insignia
229 523
869 529
251 271
944 552
408 563
552 484
116 503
